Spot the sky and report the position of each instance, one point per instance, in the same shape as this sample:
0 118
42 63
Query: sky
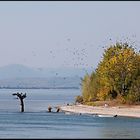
44 34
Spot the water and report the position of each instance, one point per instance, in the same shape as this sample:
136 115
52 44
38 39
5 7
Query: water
36 122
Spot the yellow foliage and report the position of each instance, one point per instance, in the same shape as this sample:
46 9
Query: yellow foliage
121 99
117 71
103 93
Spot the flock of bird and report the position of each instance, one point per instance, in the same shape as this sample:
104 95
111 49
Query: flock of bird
78 57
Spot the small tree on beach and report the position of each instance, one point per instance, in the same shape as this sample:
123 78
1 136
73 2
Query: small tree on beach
21 96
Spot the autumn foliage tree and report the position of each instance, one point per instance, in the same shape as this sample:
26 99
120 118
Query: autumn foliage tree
117 76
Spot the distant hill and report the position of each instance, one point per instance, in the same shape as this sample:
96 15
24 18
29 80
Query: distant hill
21 71
52 82
20 76
15 70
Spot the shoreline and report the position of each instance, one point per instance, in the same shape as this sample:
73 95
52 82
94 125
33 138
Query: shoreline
125 111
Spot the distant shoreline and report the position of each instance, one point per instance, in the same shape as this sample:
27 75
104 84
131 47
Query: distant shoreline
126 111
39 88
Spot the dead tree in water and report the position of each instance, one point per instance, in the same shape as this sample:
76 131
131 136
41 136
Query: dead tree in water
21 96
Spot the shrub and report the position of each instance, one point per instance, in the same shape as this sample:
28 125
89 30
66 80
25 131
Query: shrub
79 99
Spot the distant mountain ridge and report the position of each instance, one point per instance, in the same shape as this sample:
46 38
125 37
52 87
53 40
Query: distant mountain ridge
16 70
21 71
20 76
52 82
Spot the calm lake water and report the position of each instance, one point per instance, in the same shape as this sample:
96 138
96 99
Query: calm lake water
36 122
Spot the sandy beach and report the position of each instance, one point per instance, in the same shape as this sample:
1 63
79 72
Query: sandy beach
128 111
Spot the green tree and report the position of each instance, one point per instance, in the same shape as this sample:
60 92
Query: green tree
89 87
134 92
85 88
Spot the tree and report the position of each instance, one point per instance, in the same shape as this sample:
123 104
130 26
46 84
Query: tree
21 96
90 87
117 76
85 88
118 69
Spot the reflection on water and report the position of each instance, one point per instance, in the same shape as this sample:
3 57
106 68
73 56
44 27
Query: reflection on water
36 122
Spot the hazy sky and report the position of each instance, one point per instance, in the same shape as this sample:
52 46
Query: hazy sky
64 33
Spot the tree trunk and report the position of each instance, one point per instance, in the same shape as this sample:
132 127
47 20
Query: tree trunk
22 105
